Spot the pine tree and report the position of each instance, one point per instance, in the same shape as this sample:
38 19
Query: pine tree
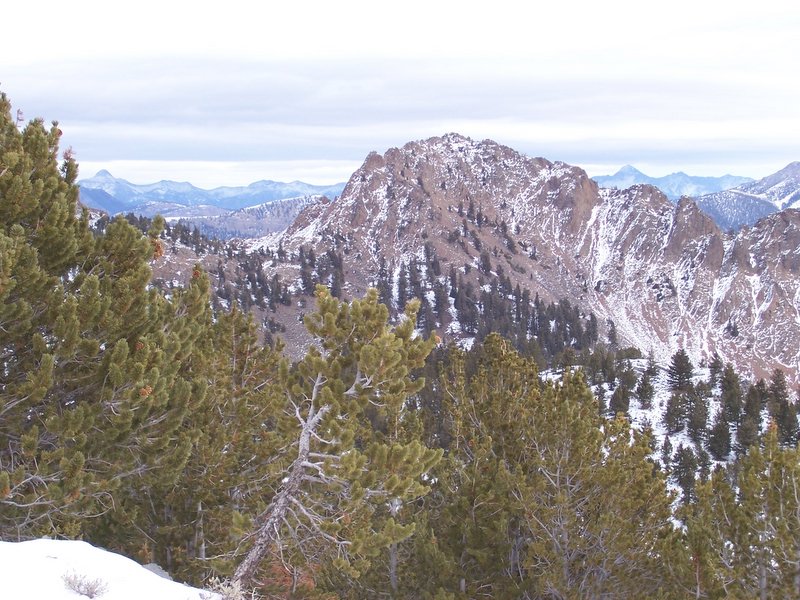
620 401
746 434
778 392
600 396
384 283
748 525
680 372
621 398
666 454
676 412
645 391
756 399
731 394
708 573
703 464
92 380
191 529
715 367
719 439
788 428
612 333
697 421
143 521
344 468
652 367
685 469
781 409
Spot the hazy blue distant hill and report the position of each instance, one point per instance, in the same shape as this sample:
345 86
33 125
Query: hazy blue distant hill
98 198
674 185
172 198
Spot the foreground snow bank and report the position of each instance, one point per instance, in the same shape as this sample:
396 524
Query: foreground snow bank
68 570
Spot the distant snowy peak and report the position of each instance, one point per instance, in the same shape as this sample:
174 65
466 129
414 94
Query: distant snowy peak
114 195
629 171
674 185
749 202
626 177
782 189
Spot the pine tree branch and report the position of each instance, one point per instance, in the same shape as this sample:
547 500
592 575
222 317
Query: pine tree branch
322 455
322 440
359 380
315 520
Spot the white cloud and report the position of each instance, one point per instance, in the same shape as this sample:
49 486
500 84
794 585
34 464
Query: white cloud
678 84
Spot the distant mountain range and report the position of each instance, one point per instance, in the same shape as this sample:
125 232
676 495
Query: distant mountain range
674 186
183 200
225 212
744 205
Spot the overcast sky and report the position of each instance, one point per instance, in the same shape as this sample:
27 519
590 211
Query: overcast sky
304 90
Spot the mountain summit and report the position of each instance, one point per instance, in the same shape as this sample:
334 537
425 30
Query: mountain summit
660 275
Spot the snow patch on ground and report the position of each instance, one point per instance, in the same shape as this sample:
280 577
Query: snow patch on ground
61 569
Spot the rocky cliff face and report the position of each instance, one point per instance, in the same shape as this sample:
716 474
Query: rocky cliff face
666 275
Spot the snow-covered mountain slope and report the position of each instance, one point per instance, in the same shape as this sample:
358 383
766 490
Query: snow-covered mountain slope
253 221
732 211
665 274
114 195
67 570
674 185
747 203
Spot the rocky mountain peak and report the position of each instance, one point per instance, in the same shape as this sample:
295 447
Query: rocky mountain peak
664 274
426 188
691 225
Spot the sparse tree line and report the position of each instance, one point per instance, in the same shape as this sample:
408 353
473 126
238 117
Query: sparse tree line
477 306
378 465
741 411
